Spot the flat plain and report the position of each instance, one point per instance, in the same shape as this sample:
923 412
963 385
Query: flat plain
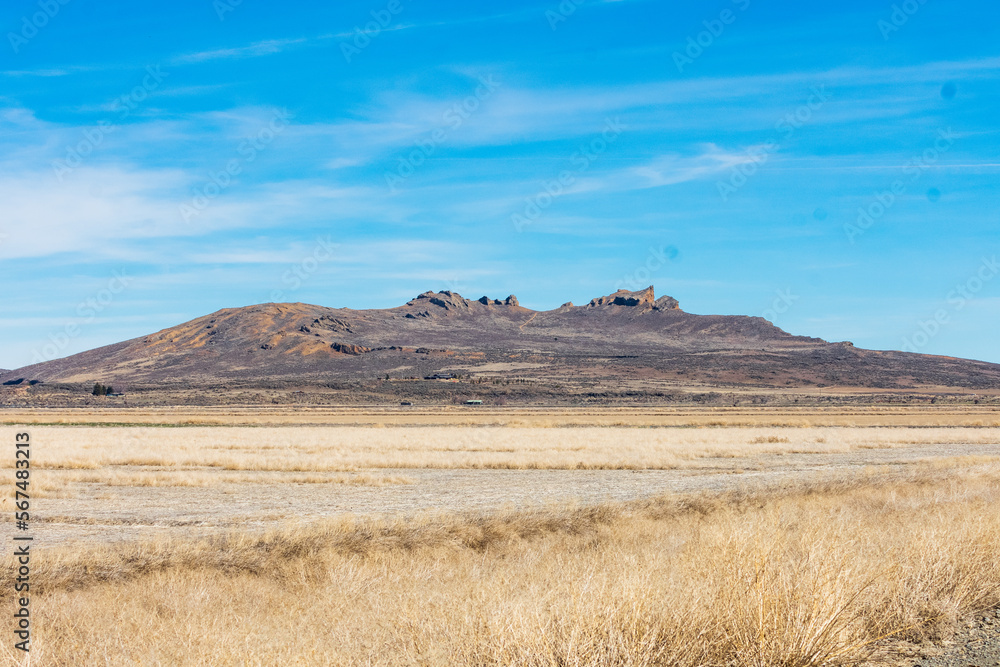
669 537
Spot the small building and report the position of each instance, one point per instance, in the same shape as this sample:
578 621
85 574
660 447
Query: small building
474 401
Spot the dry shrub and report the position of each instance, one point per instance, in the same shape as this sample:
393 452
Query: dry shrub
769 439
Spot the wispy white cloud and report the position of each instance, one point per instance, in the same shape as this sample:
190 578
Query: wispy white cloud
49 72
102 207
37 72
674 169
468 20
262 48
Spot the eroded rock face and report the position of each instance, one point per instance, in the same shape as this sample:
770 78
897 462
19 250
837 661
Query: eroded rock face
625 298
642 299
347 348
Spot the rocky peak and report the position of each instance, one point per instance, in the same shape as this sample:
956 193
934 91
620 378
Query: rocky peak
624 297
644 299
666 303
455 302
448 300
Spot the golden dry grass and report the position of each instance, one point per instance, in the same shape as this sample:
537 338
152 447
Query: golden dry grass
814 575
342 449
58 483
517 417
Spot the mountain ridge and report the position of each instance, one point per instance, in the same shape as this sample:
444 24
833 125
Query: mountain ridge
624 339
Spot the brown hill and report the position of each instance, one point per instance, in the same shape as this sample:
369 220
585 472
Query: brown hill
623 339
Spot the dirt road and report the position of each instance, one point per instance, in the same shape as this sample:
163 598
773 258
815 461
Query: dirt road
95 512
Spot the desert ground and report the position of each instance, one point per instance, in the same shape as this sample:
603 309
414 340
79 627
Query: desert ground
512 537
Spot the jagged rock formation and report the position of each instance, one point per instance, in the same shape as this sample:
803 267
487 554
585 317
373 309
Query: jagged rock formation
447 303
641 299
625 298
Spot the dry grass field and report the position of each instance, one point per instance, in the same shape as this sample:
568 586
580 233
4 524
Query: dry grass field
443 415
520 545
343 449
809 575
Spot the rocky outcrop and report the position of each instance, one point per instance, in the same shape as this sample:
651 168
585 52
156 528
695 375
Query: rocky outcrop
666 303
348 348
642 299
328 323
446 300
625 298
453 302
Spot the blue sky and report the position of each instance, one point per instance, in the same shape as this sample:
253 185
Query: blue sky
830 166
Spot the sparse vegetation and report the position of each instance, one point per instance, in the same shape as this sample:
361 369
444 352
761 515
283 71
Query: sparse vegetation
316 449
820 575
421 414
